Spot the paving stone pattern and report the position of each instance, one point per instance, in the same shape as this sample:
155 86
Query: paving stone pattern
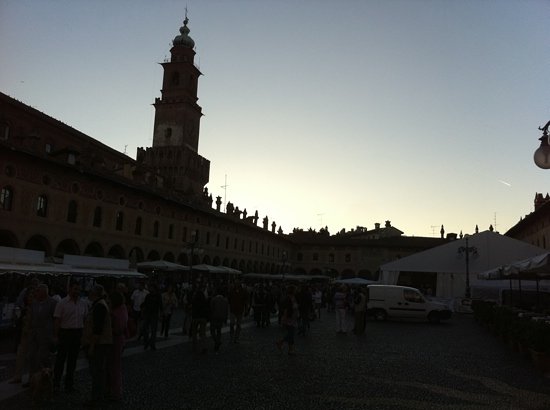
396 365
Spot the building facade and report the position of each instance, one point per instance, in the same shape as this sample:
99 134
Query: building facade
534 228
63 192
357 253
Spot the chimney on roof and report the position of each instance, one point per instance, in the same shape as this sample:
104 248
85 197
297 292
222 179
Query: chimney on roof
377 226
388 224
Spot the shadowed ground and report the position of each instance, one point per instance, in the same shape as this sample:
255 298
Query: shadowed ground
395 365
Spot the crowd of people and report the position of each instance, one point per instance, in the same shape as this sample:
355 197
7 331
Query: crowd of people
101 322
63 326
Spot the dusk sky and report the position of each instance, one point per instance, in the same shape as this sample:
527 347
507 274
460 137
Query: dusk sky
320 113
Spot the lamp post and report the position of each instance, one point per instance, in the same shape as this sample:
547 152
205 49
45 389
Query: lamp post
284 258
542 154
466 250
192 245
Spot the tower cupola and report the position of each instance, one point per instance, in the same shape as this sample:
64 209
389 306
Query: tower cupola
183 39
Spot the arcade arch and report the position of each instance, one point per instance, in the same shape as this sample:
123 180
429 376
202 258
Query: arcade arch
136 255
94 249
67 247
153 256
169 257
39 243
116 252
8 239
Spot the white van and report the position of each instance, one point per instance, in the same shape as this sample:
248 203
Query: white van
387 301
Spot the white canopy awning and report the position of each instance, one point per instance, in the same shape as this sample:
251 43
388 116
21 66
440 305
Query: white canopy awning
355 281
25 262
107 273
38 269
536 267
162 265
216 269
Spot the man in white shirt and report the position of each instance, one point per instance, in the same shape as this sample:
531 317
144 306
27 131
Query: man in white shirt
69 317
317 299
137 298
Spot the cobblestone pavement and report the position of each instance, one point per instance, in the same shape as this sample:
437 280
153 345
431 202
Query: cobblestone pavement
395 365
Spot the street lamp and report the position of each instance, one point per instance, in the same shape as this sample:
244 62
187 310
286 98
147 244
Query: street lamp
542 154
284 258
192 245
466 250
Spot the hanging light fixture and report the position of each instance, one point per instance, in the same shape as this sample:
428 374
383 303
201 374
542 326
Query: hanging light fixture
542 154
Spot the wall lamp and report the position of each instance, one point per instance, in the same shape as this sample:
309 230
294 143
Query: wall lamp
542 154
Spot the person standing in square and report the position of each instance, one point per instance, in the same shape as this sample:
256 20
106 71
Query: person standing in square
69 316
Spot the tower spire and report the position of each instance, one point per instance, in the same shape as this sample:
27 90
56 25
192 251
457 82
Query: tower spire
183 39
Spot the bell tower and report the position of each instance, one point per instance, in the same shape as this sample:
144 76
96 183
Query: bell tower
174 153
177 114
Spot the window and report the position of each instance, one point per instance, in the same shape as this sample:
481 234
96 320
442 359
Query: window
331 258
156 229
176 78
348 257
227 243
137 230
42 206
315 256
4 131
184 234
300 257
48 148
412 296
71 158
6 198
119 221
97 217
171 231
72 212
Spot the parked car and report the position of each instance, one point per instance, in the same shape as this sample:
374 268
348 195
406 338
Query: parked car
391 301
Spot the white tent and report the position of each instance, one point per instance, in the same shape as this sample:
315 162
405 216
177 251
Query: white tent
487 250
